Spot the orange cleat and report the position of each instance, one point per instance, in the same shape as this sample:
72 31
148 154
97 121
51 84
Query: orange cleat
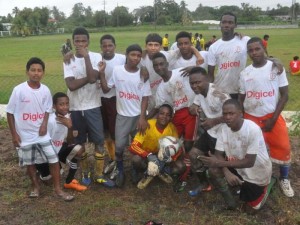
75 185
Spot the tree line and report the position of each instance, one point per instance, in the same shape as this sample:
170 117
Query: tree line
162 12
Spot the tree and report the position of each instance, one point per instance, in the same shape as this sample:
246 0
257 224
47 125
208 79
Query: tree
121 16
77 16
57 15
101 18
144 14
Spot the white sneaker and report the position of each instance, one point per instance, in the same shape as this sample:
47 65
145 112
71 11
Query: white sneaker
286 188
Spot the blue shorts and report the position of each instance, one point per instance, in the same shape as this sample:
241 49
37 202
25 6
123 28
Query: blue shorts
88 124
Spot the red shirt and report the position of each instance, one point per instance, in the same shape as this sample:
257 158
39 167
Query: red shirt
295 66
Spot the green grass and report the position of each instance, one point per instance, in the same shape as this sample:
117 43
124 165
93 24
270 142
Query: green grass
15 52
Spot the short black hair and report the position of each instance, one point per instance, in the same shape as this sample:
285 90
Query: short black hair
80 31
153 37
158 55
229 14
134 47
266 36
35 60
233 102
109 37
58 95
296 57
183 34
198 69
166 105
255 39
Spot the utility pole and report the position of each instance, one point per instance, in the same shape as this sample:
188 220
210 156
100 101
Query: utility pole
154 12
104 22
294 18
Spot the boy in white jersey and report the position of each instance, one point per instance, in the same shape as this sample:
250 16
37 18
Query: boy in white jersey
108 100
176 91
210 99
61 133
229 54
132 101
240 159
81 76
27 115
264 94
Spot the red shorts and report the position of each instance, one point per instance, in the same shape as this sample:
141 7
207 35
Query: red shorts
277 139
109 114
185 124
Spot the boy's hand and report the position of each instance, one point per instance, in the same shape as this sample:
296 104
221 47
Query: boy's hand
142 125
144 74
68 57
101 66
82 51
64 120
16 140
43 130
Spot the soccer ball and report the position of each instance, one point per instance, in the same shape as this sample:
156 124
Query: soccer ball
168 147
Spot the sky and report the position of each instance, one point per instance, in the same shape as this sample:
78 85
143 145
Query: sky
66 6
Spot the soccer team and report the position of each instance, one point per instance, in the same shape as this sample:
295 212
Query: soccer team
226 114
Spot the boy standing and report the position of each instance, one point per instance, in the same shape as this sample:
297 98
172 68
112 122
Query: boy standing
264 94
27 114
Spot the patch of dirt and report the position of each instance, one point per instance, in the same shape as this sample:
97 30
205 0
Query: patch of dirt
131 206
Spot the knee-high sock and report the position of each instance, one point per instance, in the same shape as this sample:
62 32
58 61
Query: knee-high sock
85 164
187 162
110 146
284 171
99 164
72 170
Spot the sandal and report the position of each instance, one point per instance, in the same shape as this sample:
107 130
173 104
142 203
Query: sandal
34 194
65 196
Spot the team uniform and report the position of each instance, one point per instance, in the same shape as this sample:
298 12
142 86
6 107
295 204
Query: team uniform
178 93
130 89
295 67
230 57
29 107
236 145
261 87
211 105
165 43
181 62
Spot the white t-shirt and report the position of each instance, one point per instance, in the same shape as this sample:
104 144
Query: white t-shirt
230 57
29 107
174 46
88 96
212 105
181 62
57 131
118 59
130 89
261 86
176 91
248 140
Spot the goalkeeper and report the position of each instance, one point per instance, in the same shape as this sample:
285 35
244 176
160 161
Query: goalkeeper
145 149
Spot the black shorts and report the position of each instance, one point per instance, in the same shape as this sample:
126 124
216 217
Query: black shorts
206 143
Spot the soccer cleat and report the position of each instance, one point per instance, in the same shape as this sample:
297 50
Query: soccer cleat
143 183
109 167
106 182
286 188
75 185
86 179
199 189
179 186
113 173
165 178
120 179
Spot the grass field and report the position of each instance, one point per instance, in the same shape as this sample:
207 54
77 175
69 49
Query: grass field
283 44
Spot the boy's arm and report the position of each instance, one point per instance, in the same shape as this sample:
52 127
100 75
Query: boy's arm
142 123
66 121
199 57
103 81
91 74
43 127
136 148
15 136
211 73
74 84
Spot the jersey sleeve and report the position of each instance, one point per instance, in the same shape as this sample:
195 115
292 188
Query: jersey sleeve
147 89
211 59
111 81
68 72
136 146
11 106
242 84
282 79
220 140
95 59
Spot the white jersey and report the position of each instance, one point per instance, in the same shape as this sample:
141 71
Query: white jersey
57 131
118 59
248 140
130 89
212 105
88 96
174 46
230 57
181 62
261 87
29 107
176 91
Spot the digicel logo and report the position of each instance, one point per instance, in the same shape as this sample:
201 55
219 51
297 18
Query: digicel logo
228 65
180 101
129 96
260 94
33 117
57 143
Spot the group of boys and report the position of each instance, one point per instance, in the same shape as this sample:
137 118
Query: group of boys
148 104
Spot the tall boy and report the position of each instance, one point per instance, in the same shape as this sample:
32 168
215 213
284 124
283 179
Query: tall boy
132 101
27 114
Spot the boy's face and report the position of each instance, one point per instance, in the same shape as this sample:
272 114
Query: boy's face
80 42
227 24
107 48
134 58
152 48
256 52
198 83
160 66
184 44
164 116
232 116
35 73
62 106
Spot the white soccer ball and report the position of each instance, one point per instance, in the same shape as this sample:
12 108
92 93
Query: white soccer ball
168 147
